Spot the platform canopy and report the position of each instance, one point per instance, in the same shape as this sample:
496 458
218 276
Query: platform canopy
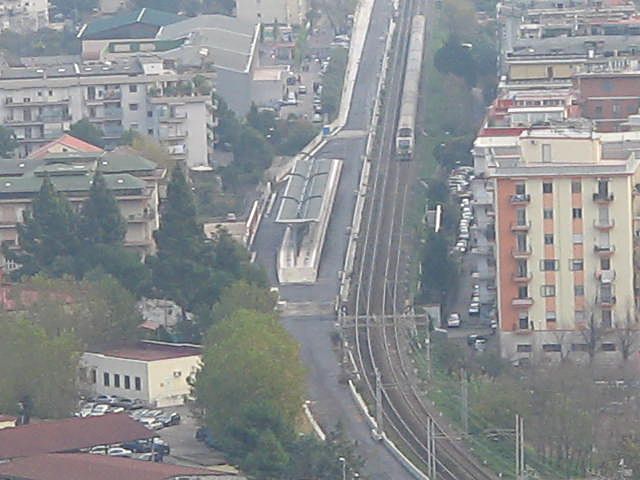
306 187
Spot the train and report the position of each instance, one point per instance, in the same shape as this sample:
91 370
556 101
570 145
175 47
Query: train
405 134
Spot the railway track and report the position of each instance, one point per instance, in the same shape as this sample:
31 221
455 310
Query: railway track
380 295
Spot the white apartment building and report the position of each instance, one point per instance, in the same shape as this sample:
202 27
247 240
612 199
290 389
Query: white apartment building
23 15
565 203
39 103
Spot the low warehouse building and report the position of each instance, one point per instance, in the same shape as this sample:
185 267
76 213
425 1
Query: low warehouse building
156 373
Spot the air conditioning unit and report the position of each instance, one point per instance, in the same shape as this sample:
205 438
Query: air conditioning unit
177 373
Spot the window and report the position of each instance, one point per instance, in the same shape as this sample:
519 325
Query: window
577 238
523 292
548 238
578 290
605 264
576 264
520 189
39 93
551 347
607 318
603 188
546 153
523 321
631 108
521 216
615 108
609 347
105 379
522 268
127 382
576 186
549 265
521 241
94 376
149 113
524 348
576 213
133 107
547 187
548 290
150 131
138 383
579 316
133 88
116 380
550 316
598 111
51 93
579 347
547 213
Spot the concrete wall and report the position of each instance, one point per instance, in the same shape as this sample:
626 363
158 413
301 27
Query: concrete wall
168 379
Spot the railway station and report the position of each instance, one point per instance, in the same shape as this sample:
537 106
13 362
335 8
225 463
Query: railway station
305 209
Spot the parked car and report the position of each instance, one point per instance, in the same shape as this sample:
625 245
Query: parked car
454 320
99 409
119 452
203 434
317 118
145 446
169 419
126 403
474 309
480 344
150 457
302 90
99 450
108 399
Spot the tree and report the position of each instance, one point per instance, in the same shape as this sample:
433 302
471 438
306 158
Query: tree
38 367
249 362
240 294
455 58
98 311
48 235
8 142
628 336
100 220
150 148
88 132
438 268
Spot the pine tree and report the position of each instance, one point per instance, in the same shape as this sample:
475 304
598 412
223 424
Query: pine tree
100 220
48 236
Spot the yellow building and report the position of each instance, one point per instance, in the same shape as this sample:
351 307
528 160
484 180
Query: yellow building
156 373
565 210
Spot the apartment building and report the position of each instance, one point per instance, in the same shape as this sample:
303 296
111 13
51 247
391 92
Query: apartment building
565 204
23 16
40 102
71 164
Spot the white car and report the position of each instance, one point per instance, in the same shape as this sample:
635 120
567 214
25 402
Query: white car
118 452
454 320
474 308
99 410
99 450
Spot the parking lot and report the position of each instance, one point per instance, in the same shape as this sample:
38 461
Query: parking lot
176 427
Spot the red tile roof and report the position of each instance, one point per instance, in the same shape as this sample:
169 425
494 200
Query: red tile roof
85 466
70 434
73 143
150 352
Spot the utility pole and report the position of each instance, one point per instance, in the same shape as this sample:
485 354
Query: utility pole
519 448
379 402
428 347
431 449
464 393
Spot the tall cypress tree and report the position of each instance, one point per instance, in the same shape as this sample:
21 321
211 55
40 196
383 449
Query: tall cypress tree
183 268
100 220
48 236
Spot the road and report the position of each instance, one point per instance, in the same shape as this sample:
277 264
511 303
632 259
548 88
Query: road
310 316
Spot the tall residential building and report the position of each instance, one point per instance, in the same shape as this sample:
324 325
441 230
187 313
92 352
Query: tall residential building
71 163
145 94
565 201
23 15
287 12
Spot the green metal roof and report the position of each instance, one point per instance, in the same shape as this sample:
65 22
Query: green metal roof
28 185
123 160
148 16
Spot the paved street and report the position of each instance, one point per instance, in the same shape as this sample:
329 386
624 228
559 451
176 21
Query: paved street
312 319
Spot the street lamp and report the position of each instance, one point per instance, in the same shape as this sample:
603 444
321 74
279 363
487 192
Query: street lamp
343 461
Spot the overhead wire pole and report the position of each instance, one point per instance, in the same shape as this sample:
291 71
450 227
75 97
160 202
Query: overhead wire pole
431 448
379 413
519 447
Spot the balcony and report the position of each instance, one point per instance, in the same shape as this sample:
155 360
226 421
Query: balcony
604 223
107 115
521 226
603 197
108 96
520 277
519 253
605 276
12 102
113 132
172 118
604 250
606 300
141 217
520 199
522 302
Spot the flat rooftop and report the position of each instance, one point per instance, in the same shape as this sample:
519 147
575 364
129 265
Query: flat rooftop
575 46
64 69
149 352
